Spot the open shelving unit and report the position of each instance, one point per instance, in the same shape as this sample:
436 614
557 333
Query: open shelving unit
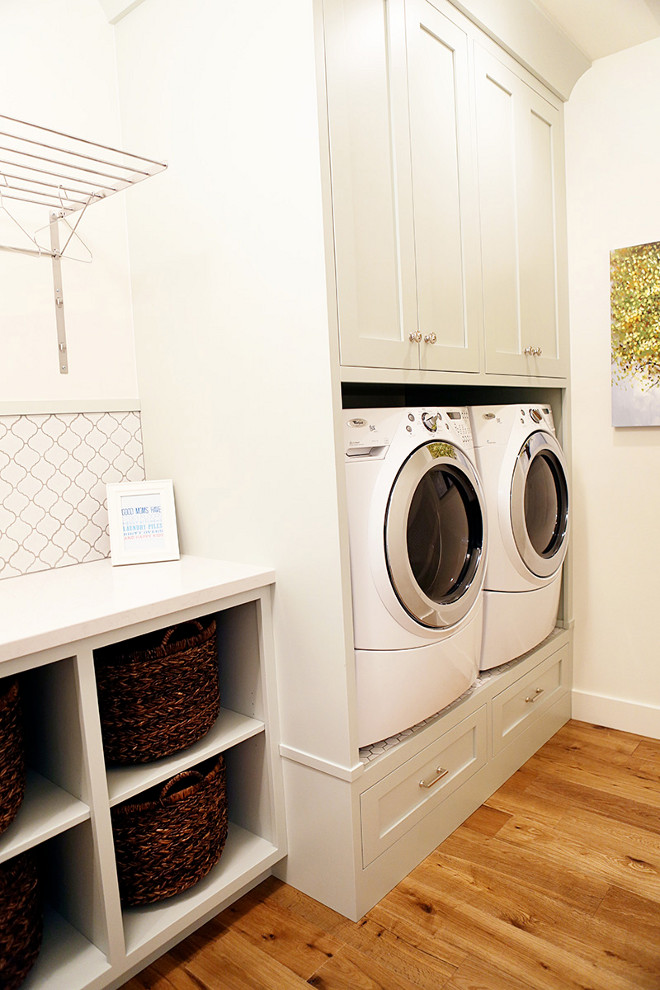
91 941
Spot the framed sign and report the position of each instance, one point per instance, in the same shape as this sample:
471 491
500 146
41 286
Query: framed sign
142 522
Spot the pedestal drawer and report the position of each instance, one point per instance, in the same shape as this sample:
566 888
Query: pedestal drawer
516 707
397 802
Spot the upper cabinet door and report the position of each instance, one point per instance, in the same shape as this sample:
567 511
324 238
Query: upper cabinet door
444 191
370 169
520 162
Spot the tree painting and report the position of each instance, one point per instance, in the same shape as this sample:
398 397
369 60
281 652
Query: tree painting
635 314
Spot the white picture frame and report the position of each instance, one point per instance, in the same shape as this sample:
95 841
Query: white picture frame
142 522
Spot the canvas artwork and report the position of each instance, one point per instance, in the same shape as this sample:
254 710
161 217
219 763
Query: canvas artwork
635 312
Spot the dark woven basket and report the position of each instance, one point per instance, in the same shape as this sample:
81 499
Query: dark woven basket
158 693
173 836
12 760
21 919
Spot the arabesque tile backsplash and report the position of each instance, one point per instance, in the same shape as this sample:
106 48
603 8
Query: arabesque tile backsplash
53 473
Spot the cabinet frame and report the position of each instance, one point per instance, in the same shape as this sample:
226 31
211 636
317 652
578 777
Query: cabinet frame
373 327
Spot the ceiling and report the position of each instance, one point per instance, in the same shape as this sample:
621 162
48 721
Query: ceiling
602 27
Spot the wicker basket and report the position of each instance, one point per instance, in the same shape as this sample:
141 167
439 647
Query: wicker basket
173 837
20 919
12 761
158 693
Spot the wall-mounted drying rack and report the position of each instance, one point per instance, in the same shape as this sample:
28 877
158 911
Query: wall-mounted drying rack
64 174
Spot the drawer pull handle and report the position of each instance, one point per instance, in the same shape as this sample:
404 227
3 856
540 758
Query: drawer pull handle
429 782
534 697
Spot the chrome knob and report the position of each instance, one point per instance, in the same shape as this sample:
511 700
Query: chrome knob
430 421
430 338
415 336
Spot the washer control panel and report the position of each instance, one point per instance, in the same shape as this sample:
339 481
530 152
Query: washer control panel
365 438
369 433
446 422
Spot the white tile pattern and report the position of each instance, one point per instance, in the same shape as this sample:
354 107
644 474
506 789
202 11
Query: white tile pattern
53 473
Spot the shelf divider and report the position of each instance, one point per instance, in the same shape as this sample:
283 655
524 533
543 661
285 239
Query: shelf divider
46 811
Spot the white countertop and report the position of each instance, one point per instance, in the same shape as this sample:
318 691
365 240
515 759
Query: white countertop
50 608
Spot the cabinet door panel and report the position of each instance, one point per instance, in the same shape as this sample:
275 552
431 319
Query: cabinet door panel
444 190
370 176
538 254
520 161
499 234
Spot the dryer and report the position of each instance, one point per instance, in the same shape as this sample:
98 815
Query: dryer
523 472
417 536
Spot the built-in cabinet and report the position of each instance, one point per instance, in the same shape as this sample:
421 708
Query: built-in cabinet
521 196
447 195
52 622
399 193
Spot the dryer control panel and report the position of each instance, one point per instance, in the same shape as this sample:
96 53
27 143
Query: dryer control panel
497 424
539 416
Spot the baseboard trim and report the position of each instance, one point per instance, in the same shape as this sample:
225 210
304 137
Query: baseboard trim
616 713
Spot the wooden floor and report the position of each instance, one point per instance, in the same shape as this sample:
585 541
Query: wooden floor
553 884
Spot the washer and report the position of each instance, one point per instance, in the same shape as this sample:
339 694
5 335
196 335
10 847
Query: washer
417 533
523 471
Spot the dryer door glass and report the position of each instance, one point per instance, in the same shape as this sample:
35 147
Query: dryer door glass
539 505
545 503
434 535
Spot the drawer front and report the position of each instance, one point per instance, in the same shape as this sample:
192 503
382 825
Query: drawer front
391 807
515 708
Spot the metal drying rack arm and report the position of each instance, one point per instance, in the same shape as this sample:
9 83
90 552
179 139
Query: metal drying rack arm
43 167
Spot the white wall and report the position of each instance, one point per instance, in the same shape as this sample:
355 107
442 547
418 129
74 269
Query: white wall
57 69
231 319
612 149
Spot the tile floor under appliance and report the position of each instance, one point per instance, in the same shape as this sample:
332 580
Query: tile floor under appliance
552 884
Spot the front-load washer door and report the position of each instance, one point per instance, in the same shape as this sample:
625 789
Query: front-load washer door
539 504
435 535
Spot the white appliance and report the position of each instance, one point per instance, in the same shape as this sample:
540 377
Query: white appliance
417 531
523 472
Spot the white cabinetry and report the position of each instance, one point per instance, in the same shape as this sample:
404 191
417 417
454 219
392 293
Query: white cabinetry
404 202
520 153
447 196
443 191
51 624
379 819
413 796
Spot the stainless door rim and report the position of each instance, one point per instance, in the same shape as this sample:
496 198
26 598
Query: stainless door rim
419 606
542 565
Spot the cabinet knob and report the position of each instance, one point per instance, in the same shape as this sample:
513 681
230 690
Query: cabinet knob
430 338
533 351
415 336
538 352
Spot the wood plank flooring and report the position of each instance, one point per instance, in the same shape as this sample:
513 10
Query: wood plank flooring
552 884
